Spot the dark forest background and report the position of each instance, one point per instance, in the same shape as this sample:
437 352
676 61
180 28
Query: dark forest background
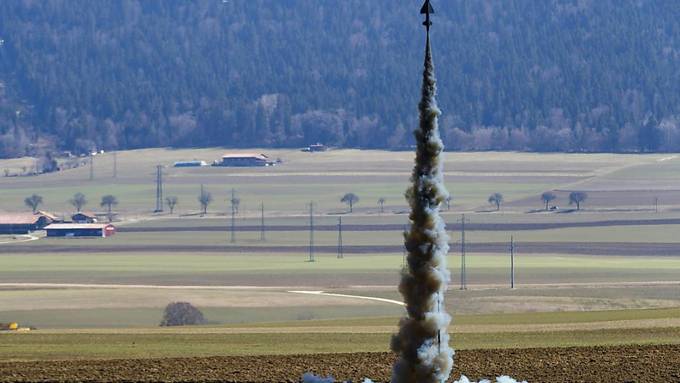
580 75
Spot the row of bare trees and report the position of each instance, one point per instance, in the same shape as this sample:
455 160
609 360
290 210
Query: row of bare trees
78 201
575 198
205 198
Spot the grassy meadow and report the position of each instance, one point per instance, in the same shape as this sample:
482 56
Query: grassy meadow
345 335
103 298
319 177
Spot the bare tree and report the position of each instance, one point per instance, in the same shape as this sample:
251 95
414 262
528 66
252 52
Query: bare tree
78 201
235 203
381 202
577 198
33 202
350 199
171 202
109 202
204 198
548 197
496 199
448 200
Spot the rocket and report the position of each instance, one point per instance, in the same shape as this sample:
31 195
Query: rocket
426 10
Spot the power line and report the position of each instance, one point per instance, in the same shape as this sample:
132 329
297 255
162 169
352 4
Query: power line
463 272
262 238
233 215
91 167
311 231
159 189
656 204
403 255
512 262
340 250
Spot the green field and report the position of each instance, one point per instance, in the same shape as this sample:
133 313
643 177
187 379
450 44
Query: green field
219 269
560 299
86 346
347 335
471 177
644 234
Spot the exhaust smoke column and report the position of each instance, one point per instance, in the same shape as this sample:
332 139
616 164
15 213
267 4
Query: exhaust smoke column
422 344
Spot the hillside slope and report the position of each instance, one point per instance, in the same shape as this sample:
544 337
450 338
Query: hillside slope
517 74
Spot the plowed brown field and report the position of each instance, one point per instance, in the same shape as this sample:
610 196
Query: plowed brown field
582 364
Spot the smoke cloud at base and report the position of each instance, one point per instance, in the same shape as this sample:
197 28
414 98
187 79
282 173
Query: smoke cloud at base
500 379
311 378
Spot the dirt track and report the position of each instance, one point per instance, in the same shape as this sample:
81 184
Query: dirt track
574 248
592 364
453 226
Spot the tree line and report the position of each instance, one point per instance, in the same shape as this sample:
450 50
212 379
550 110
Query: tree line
512 74
205 198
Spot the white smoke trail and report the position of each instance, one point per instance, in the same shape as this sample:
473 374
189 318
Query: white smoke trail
422 344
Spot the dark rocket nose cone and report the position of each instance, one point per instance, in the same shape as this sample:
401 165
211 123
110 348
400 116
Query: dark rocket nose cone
426 8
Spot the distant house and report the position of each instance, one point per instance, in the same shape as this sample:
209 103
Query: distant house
80 230
52 217
189 164
245 159
22 223
82 217
316 148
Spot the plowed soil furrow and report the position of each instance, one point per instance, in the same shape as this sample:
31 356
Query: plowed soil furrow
575 364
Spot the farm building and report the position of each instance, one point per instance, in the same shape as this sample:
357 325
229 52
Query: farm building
80 230
189 164
82 217
22 223
245 159
52 217
315 148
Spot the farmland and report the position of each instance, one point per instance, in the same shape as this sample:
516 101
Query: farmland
605 275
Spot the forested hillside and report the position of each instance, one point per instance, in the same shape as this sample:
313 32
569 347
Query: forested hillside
581 75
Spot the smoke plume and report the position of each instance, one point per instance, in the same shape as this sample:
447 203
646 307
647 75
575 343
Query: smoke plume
311 378
500 379
422 344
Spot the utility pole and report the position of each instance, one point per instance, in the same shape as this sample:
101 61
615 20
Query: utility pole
512 262
656 204
311 231
115 165
233 215
403 255
91 167
159 189
463 273
262 222
439 331
340 252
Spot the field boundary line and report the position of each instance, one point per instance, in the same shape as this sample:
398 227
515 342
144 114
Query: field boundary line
139 286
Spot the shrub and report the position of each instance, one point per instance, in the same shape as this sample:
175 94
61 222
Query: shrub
182 314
